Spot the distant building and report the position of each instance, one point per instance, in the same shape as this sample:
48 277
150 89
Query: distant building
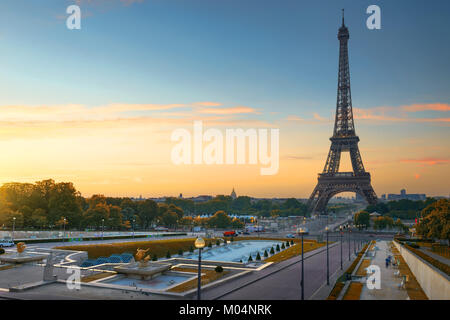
201 198
404 195
180 196
233 194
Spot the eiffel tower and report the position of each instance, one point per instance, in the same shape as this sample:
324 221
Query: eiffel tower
344 139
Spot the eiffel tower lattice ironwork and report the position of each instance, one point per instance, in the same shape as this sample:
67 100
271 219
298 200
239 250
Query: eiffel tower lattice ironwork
344 139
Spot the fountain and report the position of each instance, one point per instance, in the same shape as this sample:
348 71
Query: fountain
21 256
142 268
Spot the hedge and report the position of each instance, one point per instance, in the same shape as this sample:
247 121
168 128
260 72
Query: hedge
157 247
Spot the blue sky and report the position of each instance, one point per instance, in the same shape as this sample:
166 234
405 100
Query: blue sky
275 55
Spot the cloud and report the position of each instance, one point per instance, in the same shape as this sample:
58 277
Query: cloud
318 117
294 118
426 107
427 161
232 110
402 113
416 176
206 104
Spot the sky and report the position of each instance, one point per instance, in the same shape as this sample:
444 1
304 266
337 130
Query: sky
97 106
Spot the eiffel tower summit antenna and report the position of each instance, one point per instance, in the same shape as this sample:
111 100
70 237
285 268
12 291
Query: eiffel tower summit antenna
344 139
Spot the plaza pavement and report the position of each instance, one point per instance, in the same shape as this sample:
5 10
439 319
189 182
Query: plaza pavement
389 282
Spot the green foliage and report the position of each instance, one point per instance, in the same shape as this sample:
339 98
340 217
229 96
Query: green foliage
287 244
168 254
154 257
218 269
180 252
217 242
362 218
435 220
258 256
2 251
191 249
278 247
210 244
292 242
272 251
250 258
265 254
220 220
283 246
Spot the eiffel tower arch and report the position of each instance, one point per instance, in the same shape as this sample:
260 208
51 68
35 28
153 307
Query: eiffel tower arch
331 181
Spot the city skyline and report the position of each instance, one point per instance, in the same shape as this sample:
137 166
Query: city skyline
97 106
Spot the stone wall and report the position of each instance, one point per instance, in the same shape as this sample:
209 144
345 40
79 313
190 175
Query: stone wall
434 282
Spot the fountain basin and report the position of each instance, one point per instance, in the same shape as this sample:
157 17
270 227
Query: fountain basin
136 271
22 258
159 282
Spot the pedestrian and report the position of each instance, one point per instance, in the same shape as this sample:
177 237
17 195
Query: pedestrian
387 262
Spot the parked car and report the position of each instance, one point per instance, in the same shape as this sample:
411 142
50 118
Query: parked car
6 243
229 234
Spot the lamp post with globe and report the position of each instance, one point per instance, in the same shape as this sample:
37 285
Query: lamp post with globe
199 244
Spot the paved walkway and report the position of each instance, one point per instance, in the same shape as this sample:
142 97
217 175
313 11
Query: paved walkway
389 282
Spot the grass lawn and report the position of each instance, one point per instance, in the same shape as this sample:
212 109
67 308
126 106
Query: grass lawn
295 250
362 268
96 276
207 277
353 291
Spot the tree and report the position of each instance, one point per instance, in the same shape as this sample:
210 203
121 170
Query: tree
148 211
93 216
220 220
435 221
115 217
237 224
169 219
362 218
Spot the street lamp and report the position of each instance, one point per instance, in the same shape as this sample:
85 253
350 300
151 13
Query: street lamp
14 227
103 227
341 233
348 228
64 226
199 244
328 259
302 231
134 221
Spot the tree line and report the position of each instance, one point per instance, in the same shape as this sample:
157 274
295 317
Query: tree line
47 205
